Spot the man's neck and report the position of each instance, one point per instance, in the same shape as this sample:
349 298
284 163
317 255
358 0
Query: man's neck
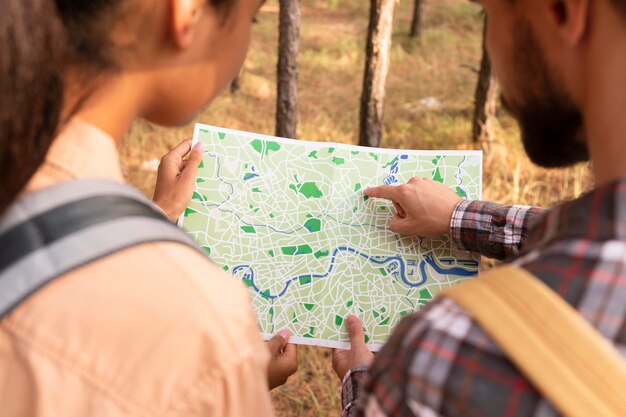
605 103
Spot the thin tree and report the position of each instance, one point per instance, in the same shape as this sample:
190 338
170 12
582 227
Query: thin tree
235 84
287 72
486 99
376 70
416 23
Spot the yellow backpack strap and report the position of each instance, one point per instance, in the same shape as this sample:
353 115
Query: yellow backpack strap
572 365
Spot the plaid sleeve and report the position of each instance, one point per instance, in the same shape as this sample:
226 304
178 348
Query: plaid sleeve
493 230
439 363
349 390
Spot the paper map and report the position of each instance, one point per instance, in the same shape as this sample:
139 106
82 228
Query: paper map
289 219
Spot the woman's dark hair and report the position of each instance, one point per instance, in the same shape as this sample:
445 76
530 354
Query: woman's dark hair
31 89
89 23
34 49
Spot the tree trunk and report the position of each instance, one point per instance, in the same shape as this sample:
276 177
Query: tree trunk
288 51
376 69
416 24
486 100
235 84
255 19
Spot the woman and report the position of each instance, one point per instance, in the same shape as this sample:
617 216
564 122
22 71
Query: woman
154 329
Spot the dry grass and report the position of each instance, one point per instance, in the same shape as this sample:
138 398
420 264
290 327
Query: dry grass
440 65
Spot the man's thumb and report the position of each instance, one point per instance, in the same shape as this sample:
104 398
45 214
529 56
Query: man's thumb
278 342
398 225
356 333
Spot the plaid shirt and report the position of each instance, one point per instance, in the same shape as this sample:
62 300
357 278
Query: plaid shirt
439 362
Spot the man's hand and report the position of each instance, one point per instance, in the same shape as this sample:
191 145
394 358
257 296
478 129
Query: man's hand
176 178
283 361
344 360
423 207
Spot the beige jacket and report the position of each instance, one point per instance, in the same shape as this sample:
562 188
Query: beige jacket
155 330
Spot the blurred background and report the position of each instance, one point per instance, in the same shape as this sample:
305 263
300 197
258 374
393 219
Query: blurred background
430 104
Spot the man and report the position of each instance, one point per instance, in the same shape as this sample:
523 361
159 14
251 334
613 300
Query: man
562 68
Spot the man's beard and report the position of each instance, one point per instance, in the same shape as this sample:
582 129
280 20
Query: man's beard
551 124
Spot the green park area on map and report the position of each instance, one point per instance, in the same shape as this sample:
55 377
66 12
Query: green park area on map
289 219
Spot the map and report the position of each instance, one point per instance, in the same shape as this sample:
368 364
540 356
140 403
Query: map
289 219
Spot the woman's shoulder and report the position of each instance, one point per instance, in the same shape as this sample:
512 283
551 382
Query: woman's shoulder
168 279
161 310
147 286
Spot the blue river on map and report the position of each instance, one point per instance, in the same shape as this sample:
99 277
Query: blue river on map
249 274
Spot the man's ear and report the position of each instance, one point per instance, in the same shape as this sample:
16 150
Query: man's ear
184 15
571 18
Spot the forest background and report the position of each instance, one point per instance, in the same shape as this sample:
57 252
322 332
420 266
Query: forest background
429 104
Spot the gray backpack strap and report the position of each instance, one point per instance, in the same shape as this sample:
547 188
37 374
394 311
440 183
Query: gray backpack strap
49 233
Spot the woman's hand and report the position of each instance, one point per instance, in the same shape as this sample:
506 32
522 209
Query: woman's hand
423 207
176 178
358 355
283 361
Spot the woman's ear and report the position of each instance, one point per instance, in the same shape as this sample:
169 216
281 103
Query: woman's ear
184 15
